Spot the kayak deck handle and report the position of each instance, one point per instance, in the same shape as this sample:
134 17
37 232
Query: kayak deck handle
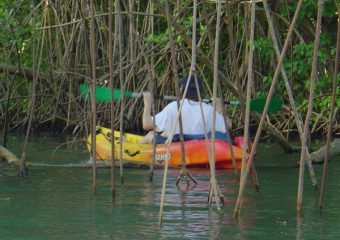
131 154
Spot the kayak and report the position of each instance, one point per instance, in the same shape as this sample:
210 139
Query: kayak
196 151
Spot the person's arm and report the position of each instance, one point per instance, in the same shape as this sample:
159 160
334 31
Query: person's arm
147 119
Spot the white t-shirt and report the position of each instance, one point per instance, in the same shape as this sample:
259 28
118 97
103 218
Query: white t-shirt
191 118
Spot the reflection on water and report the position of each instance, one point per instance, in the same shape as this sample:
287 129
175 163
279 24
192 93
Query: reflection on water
58 203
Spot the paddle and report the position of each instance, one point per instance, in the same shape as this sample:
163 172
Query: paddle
103 94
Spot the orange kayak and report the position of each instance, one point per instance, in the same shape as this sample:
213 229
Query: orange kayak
196 151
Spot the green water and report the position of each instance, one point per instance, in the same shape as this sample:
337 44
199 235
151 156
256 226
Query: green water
58 203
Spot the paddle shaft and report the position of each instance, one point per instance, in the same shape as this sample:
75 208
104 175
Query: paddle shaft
103 94
173 98
255 105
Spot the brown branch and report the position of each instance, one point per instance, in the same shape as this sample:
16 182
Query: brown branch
14 70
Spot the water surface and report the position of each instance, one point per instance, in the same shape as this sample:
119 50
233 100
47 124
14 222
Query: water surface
58 202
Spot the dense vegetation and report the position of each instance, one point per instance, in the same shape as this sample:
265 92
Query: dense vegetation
49 41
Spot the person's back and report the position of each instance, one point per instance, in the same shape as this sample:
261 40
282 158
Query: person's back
192 120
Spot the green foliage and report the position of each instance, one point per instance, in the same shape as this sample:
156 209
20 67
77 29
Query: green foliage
267 81
308 10
299 67
16 33
264 48
158 39
13 33
159 69
300 64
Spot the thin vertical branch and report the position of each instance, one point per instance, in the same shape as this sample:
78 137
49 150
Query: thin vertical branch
331 119
225 118
151 89
306 132
110 55
132 33
249 88
184 172
22 169
8 99
233 55
247 111
121 81
213 180
93 99
238 80
85 36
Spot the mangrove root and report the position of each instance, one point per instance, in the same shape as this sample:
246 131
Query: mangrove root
8 156
319 155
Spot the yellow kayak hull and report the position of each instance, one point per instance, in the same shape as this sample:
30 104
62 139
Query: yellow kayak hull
196 151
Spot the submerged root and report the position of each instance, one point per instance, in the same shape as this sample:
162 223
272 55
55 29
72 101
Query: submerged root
8 155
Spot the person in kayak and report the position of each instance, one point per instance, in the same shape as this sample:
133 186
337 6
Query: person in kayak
193 125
